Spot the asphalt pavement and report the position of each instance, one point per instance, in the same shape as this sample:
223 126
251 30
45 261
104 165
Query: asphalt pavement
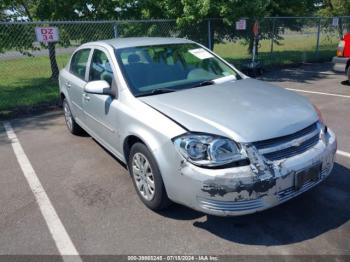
94 199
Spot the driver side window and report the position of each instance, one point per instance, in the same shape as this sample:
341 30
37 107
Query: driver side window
100 68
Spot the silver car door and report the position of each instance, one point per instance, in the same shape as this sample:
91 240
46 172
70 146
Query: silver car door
101 110
76 82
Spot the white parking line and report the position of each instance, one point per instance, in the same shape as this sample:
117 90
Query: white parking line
318 93
311 72
59 234
342 153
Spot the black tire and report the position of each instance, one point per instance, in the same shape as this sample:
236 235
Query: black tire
160 198
348 73
72 126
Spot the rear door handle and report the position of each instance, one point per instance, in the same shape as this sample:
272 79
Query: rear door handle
68 84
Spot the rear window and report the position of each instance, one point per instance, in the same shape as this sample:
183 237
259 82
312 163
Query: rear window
78 63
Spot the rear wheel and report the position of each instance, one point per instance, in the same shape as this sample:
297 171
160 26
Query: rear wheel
348 73
72 126
146 177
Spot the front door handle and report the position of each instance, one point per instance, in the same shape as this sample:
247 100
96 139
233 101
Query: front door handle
86 97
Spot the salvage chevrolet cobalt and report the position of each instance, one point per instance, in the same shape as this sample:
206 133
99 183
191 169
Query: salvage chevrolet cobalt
192 129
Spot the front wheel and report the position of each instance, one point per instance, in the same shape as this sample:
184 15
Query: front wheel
348 73
146 177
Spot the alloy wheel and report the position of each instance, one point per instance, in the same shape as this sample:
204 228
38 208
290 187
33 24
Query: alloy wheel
68 116
143 176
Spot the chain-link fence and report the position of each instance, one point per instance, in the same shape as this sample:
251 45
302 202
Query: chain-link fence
282 40
27 66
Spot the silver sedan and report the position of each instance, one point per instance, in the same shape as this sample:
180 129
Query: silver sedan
192 129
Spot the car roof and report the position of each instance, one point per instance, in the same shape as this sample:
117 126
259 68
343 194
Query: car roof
118 43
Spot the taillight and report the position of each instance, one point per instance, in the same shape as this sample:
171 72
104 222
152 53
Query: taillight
340 49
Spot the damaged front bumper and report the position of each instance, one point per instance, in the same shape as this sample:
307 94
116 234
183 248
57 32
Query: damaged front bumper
252 188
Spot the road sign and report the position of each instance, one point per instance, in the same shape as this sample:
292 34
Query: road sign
241 24
335 21
46 34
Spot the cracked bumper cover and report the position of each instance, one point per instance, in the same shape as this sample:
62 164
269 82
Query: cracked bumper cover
239 190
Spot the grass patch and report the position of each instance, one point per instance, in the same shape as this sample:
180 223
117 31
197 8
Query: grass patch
25 84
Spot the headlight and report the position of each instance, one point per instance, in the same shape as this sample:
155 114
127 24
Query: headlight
207 150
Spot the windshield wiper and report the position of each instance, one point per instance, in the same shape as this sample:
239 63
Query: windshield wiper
204 83
157 91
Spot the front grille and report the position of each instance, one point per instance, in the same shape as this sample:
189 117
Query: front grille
290 145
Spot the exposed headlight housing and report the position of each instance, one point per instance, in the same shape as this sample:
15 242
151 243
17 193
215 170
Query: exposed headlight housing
321 120
208 150
319 114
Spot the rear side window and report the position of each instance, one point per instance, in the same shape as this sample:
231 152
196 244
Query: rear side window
78 63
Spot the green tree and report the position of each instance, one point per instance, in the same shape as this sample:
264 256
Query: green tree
231 10
37 10
190 18
68 10
191 14
331 8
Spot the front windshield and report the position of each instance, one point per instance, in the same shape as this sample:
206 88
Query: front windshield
172 67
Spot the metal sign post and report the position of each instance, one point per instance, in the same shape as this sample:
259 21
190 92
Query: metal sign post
256 33
254 68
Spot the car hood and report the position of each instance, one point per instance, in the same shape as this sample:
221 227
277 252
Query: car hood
245 110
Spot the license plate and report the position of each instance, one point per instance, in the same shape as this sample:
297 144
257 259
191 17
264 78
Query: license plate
310 174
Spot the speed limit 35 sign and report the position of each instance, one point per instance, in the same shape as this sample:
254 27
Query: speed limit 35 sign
46 34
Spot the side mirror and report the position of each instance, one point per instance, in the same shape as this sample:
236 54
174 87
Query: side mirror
99 87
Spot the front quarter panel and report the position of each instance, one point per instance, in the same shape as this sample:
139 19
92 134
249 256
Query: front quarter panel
140 120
